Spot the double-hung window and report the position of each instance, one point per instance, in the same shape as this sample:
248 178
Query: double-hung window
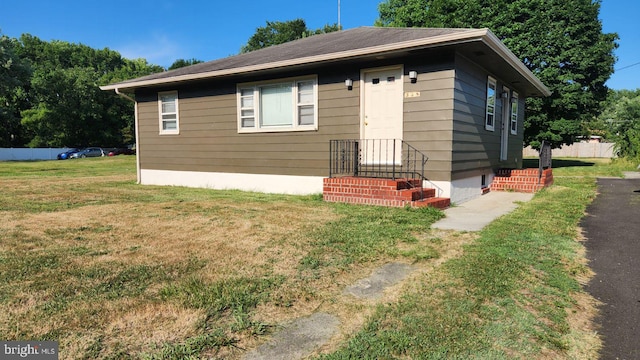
286 105
514 113
168 109
490 118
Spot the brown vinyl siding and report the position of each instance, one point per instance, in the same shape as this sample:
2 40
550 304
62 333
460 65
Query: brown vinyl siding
475 149
209 139
428 117
446 122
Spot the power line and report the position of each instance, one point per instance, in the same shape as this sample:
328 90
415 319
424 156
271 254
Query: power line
626 67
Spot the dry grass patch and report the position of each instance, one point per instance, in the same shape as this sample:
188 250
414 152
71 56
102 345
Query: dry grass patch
110 269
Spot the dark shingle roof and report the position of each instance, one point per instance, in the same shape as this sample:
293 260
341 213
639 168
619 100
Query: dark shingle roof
343 44
323 44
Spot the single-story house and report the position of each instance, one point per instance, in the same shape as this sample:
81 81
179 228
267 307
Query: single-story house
272 120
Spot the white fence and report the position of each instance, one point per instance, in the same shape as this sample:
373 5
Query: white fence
577 150
22 154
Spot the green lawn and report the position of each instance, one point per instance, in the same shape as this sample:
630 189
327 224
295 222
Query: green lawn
112 269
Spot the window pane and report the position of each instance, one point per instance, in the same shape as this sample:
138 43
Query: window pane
514 114
305 92
247 113
169 125
491 104
248 123
246 102
168 116
305 97
168 107
305 115
489 119
276 105
168 98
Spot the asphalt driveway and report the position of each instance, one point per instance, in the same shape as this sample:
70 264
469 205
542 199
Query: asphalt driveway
612 229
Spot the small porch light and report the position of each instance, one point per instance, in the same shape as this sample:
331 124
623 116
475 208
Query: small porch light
413 75
349 84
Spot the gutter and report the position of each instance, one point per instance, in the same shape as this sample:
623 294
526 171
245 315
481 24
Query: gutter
135 125
122 94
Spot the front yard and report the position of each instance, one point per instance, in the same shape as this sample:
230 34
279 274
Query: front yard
112 269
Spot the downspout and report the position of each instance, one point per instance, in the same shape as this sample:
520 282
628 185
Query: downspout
135 117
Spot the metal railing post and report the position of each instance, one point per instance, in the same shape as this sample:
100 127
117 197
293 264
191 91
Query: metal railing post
393 159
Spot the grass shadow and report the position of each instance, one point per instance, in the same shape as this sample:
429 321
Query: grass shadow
557 163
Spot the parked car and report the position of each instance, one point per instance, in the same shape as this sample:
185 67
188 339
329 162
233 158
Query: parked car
65 155
88 152
121 151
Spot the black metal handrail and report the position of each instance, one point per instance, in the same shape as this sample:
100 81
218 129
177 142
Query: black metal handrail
376 158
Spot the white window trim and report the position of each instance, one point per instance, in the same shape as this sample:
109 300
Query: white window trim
175 131
487 126
256 106
513 124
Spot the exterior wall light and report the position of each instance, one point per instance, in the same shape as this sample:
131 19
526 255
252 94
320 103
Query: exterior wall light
413 75
349 84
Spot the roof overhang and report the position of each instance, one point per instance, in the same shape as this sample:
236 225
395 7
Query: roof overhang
483 36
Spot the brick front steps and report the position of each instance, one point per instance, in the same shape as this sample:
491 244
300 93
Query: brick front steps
521 180
381 192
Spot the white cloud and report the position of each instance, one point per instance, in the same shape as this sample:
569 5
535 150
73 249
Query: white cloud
157 49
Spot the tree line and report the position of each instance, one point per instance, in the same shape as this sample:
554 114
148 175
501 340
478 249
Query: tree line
50 95
49 92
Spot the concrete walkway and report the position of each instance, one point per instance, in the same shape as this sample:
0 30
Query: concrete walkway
302 336
475 214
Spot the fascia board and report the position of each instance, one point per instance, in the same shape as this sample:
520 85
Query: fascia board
499 48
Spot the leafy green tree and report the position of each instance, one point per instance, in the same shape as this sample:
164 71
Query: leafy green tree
560 41
14 73
622 116
70 110
277 32
183 63
62 104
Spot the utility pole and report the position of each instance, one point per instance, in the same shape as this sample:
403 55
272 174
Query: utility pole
339 27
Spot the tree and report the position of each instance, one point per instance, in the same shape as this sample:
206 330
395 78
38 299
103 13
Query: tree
182 63
621 115
276 32
14 73
560 41
61 103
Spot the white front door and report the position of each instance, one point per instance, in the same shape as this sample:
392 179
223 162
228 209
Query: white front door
382 116
505 123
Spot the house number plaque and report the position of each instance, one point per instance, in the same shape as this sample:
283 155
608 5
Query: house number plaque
411 94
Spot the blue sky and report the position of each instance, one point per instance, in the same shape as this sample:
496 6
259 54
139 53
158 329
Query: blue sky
162 31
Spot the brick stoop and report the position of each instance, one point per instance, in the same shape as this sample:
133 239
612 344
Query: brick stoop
381 192
521 180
